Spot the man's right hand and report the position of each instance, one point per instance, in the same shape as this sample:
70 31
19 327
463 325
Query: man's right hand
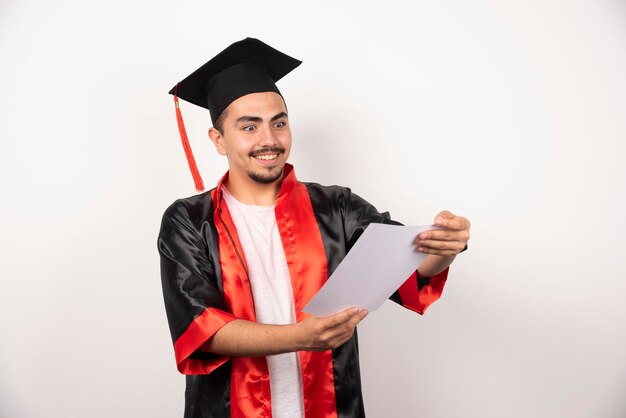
317 333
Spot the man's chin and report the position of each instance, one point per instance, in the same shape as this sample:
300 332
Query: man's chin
266 176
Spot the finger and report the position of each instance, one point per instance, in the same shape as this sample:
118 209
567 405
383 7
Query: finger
438 252
340 318
358 318
445 214
443 235
345 314
438 245
425 234
345 332
457 223
349 324
441 245
442 216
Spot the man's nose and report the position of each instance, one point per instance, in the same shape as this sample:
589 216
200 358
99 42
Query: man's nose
266 137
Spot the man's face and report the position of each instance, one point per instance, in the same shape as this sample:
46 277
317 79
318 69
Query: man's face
256 137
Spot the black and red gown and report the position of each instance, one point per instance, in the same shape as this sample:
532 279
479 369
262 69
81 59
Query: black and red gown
205 286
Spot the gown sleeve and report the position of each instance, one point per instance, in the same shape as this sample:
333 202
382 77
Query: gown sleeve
193 294
417 293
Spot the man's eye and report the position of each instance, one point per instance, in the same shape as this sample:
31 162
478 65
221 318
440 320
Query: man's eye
279 124
249 128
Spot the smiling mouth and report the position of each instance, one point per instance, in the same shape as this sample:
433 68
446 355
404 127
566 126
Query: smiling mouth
267 154
266 157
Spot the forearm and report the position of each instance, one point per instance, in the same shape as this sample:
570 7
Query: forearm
435 264
251 339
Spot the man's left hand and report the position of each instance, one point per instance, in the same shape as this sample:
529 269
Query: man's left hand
448 241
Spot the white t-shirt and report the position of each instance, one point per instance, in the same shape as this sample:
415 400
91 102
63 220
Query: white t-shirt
273 296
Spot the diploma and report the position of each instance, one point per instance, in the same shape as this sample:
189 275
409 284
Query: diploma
383 258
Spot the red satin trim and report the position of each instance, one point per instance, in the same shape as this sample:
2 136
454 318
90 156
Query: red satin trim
201 329
420 300
237 289
249 383
306 260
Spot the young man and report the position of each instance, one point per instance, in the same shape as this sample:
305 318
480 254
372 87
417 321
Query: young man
240 261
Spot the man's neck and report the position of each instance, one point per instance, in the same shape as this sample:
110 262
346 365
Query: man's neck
251 192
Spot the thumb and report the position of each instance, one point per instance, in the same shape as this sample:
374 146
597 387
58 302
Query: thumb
444 214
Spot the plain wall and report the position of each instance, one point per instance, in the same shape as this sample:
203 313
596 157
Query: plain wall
509 113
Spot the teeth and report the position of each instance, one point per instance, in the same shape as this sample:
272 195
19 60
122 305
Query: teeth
266 157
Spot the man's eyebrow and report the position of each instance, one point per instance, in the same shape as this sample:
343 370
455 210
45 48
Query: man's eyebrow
280 115
249 119
258 119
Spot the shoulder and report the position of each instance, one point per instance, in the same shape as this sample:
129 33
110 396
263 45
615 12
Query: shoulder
329 194
355 210
191 211
334 195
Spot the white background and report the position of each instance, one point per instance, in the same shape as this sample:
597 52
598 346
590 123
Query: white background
510 113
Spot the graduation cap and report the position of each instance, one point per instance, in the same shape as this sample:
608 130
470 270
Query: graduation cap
247 66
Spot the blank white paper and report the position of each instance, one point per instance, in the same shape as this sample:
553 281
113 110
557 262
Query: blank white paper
381 260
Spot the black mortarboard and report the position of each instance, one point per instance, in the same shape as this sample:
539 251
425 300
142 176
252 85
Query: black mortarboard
247 66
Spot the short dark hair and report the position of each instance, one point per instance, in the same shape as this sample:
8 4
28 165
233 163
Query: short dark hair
219 123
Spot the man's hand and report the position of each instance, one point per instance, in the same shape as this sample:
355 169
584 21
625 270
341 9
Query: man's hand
317 333
446 242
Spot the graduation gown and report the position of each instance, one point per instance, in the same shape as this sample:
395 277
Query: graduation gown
205 286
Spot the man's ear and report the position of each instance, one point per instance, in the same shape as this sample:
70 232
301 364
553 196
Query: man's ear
218 140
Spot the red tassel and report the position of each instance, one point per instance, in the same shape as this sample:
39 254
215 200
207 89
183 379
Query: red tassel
183 135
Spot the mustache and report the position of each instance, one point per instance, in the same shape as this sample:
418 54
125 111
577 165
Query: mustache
266 150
